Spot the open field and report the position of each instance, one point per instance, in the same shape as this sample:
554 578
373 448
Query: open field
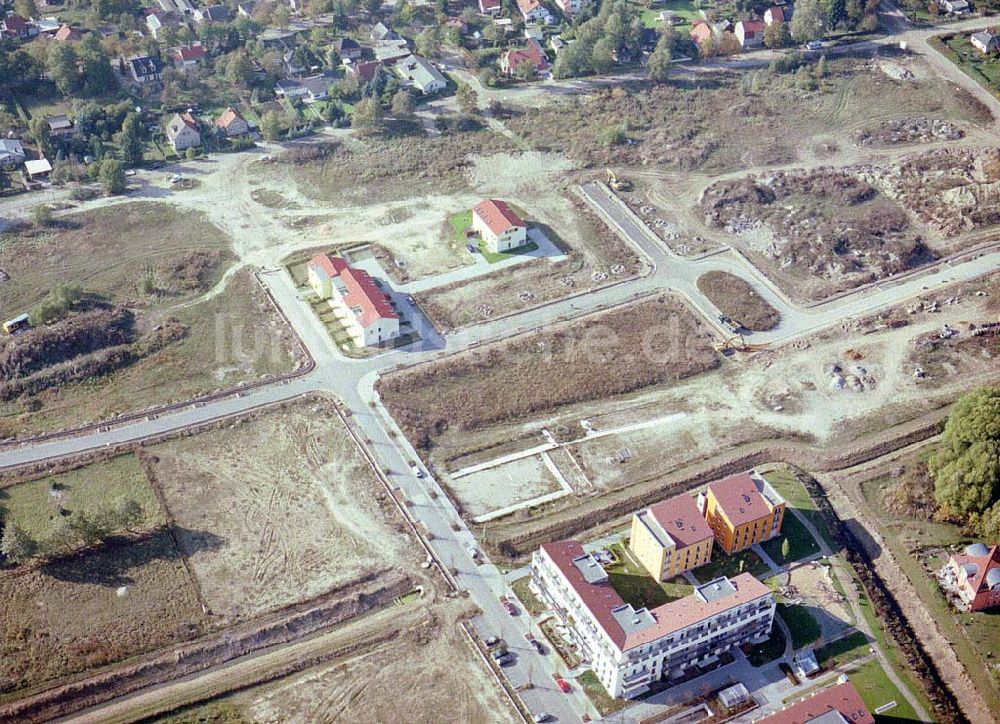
648 343
80 612
503 485
227 339
295 507
695 124
877 690
109 251
37 506
735 298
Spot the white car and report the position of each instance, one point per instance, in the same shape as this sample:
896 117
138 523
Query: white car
417 471
473 553
542 716
814 45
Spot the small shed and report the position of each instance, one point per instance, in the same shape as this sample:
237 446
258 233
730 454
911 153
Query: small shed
38 168
734 696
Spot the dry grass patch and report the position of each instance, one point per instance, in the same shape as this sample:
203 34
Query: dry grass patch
100 606
735 298
613 353
295 506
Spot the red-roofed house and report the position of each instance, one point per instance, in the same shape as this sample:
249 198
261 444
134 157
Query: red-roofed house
490 7
975 576
774 15
232 123
364 71
671 537
501 228
750 33
188 56
700 32
512 60
15 26
66 34
631 649
365 310
743 510
842 698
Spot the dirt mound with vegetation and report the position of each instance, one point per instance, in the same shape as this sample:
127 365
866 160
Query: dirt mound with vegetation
735 298
618 352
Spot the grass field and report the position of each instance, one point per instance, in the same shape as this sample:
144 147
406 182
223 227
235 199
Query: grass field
92 609
877 690
634 584
528 599
598 695
985 70
647 343
735 298
800 542
800 622
110 251
846 649
36 506
293 508
723 564
231 338
796 496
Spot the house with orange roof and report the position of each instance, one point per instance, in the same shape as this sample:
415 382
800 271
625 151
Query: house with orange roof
534 12
186 57
232 123
66 34
630 649
742 510
671 537
532 53
361 306
838 704
750 33
500 228
974 576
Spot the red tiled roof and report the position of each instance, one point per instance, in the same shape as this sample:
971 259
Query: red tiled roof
601 599
842 697
227 117
680 518
527 6
190 52
487 5
752 26
497 215
777 15
365 71
984 564
190 121
15 22
66 33
361 292
701 32
739 499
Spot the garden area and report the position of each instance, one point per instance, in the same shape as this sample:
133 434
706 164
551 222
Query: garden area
723 564
983 69
805 630
793 544
770 650
634 584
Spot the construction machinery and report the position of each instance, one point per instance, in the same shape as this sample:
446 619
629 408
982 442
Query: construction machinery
617 184
738 343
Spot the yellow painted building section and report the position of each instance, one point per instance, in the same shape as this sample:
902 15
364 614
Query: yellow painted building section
665 562
735 538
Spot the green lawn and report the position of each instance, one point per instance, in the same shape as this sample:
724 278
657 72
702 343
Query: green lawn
876 689
460 224
589 682
636 586
800 622
725 565
682 8
528 599
958 49
846 649
783 480
800 542
36 506
769 651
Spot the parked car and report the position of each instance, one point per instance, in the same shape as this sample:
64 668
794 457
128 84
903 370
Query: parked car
814 45
542 716
537 646
492 641
511 608
499 652
472 248
417 471
473 553
563 685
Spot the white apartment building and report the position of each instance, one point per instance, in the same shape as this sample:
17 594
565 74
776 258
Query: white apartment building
630 649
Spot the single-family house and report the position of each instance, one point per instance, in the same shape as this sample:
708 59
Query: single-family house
956 7
985 42
701 32
15 27
534 12
500 228
181 7
365 71
308 90
66 34
773 15
533 32
246 8
570 7
38 169
490 7
512 60
186 57
232 123
421 74
157 20
743 510
59 126
364 309
11 153
389 53
183 132
557 43
347 48
382 34
975 576
750 34
145 68
47 26
213 14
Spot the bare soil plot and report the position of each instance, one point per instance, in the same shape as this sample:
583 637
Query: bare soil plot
645 344
734 297
125 598
293 503
109 251
502 486
944 361
229 338
596 257
428 675
379 170
907 131
824 223
712 124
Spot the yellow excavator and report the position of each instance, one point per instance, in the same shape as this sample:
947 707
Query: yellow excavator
738 343
617 184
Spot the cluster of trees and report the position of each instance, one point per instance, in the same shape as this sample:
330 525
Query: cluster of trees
966 465
613 35
81 70
72 531
813 18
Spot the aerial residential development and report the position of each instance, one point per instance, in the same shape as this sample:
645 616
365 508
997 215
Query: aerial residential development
500 362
